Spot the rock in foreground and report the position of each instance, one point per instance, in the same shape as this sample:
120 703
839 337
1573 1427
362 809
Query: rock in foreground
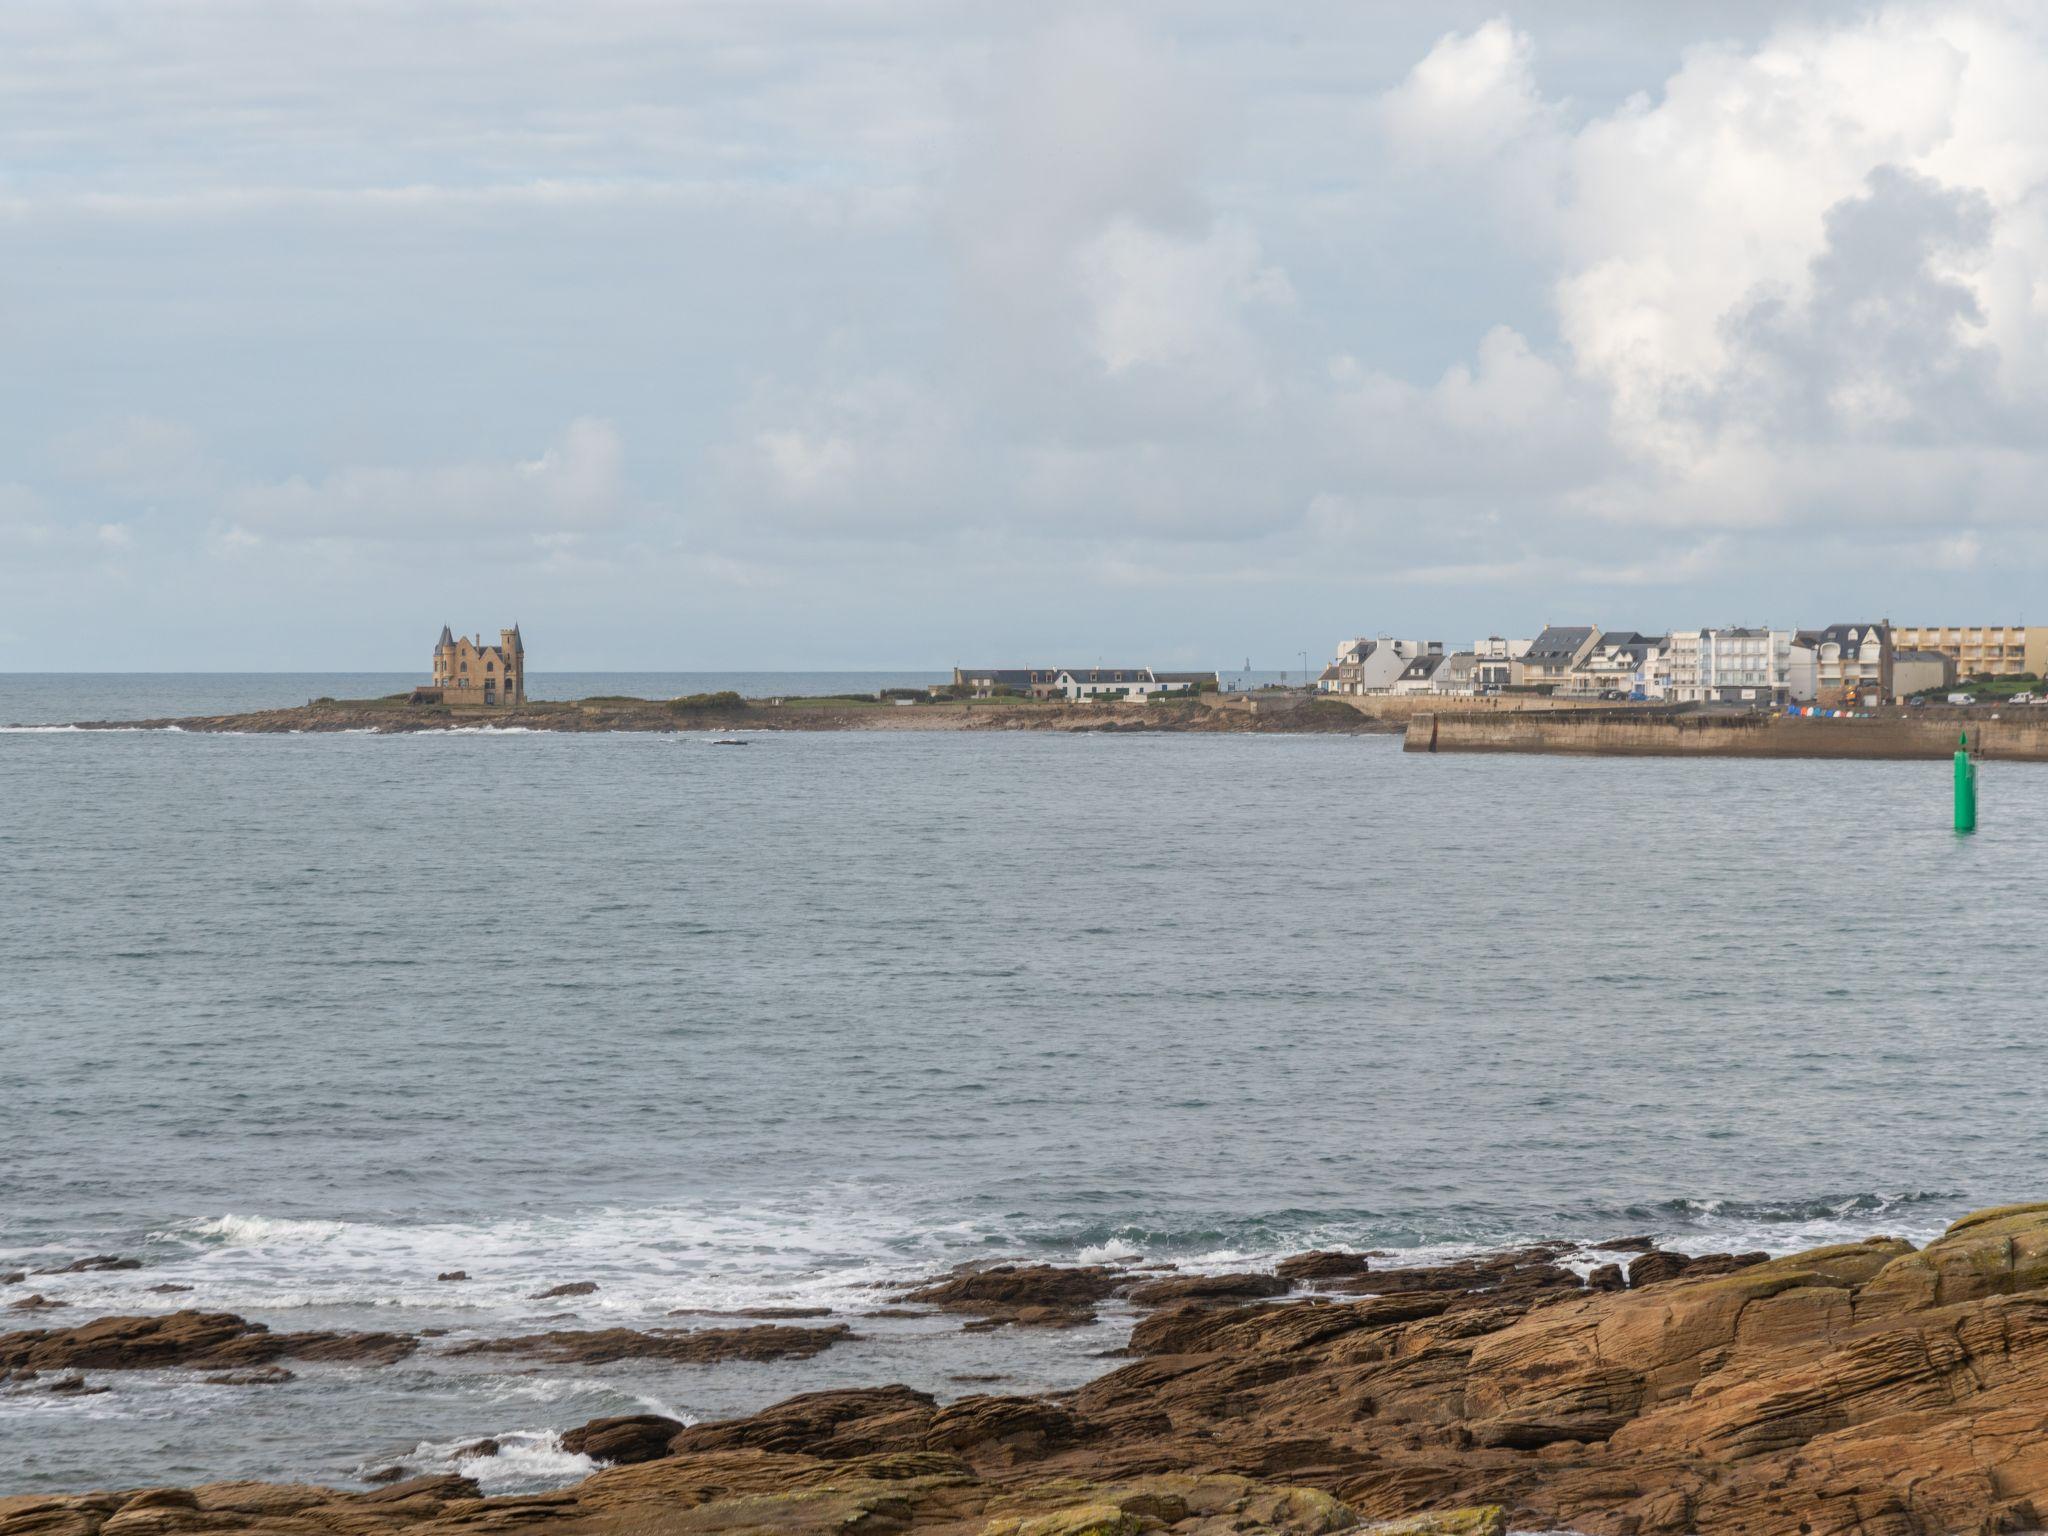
1859 1390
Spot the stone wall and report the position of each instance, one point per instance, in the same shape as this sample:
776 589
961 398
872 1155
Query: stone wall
1618 733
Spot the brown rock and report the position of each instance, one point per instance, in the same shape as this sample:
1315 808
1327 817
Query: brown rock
1626 1245
1321 1265
436 1487
829 1425
201 1340
1018 1428
463 1274
13 1277
1020 1285
1605 1277
1159 1293
96 1261
776 1314
1655 1266
255 1376
625 1440
485 1447
71 1386
573 1288
1030 1317
691 1346
37 1302
168 1289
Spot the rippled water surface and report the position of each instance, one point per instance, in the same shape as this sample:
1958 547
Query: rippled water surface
303 1021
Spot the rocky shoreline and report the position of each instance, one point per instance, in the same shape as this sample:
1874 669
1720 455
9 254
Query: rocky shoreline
1207 714
1865 1389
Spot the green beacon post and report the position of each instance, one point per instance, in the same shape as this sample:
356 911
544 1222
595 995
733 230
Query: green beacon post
1966 786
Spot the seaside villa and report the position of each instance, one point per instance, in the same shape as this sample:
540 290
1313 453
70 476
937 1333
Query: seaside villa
466 671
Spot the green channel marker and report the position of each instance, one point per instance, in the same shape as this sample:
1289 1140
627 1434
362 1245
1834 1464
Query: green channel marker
1966 786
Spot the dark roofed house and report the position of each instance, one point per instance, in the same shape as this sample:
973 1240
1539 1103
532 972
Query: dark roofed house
1852 663
1552 654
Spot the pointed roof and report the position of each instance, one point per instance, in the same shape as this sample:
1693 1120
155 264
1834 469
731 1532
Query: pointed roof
446 638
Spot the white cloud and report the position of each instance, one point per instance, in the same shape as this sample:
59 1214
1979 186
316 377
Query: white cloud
489 509
1472 96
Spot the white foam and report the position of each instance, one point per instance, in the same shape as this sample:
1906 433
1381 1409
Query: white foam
527 1461
829 1251
1115 1251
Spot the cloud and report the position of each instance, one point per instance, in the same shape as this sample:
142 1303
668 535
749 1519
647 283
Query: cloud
485 509
135 456
1194 301
1473 95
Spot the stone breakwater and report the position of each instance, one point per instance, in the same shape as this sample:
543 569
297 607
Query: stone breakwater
1865 1389
1206 714
1646 733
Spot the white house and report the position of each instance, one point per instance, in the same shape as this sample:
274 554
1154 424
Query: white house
1077 683
1373 666
1493 662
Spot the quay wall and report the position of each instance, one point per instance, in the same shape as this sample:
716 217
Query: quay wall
1616 733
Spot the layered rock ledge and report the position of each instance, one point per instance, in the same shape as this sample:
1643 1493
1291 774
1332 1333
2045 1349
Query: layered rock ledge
1866 1389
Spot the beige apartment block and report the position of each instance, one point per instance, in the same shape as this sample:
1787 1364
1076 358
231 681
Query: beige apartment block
1980 650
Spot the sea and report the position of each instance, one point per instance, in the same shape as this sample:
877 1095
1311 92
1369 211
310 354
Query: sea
303 1021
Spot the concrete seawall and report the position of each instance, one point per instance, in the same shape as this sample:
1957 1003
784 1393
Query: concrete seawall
1619 733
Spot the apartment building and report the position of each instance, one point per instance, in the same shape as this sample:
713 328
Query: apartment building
1732 666
1980 650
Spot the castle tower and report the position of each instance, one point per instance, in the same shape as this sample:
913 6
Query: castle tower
514 650
444 652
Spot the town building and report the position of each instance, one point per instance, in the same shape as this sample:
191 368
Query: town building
468 672
1621 664
1848 664
1373 666
1980 650
1030 682
1419 676
1493 662
1455 675
1735 665
1552 655
1921 671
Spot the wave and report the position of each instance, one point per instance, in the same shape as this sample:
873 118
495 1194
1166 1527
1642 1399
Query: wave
524 1461
844 1249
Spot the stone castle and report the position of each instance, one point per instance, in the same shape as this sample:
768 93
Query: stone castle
466 671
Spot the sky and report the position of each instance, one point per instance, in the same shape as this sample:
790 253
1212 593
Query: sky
714 334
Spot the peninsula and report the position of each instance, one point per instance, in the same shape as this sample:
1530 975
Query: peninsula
400 713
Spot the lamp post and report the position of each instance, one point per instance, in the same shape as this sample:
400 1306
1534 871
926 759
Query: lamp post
1304 669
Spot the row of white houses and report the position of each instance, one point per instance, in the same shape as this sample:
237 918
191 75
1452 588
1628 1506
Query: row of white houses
1761 668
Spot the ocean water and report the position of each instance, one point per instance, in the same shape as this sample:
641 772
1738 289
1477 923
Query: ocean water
302 1021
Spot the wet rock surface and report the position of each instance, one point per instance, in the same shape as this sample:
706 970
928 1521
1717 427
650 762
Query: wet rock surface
193 1340
1865 1389
596 1346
